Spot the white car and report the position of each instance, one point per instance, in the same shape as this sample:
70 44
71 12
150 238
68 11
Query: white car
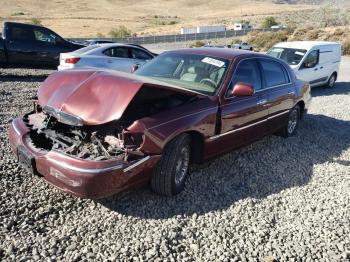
243 46
120 57
316 62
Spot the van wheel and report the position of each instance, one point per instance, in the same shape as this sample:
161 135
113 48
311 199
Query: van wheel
331 81
290 128
170 174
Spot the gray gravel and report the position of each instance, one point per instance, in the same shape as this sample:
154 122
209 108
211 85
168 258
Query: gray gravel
282 199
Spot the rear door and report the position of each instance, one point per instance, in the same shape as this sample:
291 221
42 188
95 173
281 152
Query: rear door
243 119
118 58
140 56
19 44
280 91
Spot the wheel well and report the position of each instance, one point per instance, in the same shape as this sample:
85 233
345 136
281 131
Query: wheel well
301 104
197 143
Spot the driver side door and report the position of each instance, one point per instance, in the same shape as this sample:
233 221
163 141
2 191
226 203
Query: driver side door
243 119
310 70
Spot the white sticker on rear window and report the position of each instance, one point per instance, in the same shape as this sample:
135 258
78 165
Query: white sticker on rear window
213 61
299 53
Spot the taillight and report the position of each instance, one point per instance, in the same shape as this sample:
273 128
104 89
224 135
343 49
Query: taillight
72 60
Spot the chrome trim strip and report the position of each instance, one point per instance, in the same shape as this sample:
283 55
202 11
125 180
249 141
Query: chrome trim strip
245 127
15 128
279 114
85 170
136 164
236 130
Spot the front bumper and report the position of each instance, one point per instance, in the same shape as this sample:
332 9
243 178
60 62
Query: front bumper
83 178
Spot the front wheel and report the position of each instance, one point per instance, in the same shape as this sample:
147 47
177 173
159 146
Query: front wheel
169 176
331 81
291 127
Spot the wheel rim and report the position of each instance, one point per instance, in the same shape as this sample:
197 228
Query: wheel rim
182 165
293 121
332 81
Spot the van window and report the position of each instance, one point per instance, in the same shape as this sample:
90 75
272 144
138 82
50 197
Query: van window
274 72
312 59
291 55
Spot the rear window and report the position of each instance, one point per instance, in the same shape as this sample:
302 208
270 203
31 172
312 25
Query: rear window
274 72
85 49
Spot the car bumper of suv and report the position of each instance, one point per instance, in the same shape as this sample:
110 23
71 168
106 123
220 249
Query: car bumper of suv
83 178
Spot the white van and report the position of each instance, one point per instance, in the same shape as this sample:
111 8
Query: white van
315 62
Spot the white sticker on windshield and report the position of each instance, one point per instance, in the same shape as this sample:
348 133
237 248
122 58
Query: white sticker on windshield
213 61
299 53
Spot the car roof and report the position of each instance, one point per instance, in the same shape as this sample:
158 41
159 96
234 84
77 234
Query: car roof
304 44
223 53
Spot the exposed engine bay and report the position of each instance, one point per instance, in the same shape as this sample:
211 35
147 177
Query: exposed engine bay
111 140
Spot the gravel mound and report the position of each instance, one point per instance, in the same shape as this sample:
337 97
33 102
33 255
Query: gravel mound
278 199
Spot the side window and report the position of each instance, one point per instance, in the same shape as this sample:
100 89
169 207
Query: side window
247 72
45 36
122 52
312 59
139 54
274 73
21 33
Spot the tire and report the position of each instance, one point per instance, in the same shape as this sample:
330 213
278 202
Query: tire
171 172
251 49
331 81
291 127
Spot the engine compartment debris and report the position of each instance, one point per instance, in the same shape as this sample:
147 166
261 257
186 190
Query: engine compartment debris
97 143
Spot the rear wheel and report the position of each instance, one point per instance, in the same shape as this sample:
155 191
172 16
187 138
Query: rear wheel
290 128
331 81
170 175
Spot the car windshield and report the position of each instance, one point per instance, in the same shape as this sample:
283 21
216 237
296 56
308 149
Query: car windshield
291 55
199 73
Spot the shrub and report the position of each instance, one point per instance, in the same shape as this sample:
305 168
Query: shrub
198 43
268 22
266 40
100 35
17 13
35 21
313 34
120 31
346 47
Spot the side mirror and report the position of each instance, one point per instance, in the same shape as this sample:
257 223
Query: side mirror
242 89
134 68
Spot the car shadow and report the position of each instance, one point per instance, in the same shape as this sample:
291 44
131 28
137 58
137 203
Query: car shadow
340 88
23 78
257 171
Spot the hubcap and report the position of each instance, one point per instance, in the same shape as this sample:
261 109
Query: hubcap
293 120
182 165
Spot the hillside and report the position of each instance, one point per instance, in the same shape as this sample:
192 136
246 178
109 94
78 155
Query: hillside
77 18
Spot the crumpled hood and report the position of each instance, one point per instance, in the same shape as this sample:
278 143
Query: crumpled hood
96 97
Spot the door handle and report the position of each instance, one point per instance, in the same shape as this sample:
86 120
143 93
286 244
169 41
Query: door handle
316 69
262 102
321 67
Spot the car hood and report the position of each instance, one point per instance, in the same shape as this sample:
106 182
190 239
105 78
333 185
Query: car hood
94 96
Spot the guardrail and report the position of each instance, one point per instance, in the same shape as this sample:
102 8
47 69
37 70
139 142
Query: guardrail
180 38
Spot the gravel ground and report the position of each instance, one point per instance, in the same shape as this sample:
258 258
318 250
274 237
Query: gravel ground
278 199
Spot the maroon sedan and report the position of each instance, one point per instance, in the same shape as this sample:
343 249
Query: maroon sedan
95 133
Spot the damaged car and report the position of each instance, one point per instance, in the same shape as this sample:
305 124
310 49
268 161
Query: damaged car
95 133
